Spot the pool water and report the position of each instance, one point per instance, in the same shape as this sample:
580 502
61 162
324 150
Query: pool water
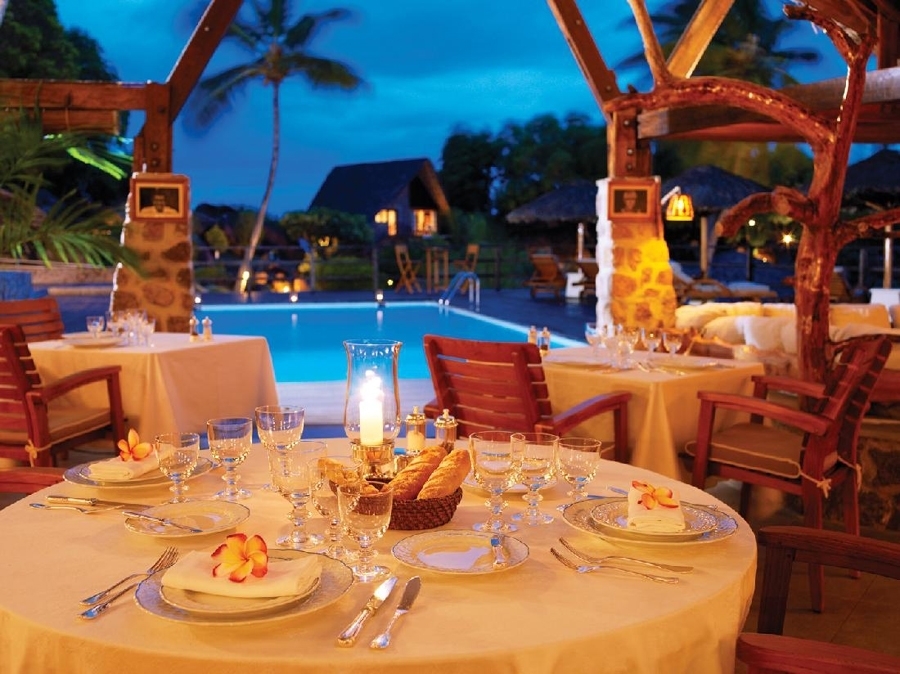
307 341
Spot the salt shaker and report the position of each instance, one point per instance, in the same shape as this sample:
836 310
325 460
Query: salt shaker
207 329
445 430
192 328
544 341
532 335
415 432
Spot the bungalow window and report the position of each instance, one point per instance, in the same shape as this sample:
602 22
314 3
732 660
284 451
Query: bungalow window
387 216
425 223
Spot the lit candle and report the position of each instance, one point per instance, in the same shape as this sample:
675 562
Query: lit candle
371 412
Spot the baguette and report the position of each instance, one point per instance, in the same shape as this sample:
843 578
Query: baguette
409 481
448 476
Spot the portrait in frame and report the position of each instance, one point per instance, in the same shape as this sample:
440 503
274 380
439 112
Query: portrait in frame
159 196
633 198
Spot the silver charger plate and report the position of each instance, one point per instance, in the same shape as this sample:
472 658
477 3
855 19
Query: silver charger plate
578 515
457 551
209 516
336 578
85 340
612 517
80 474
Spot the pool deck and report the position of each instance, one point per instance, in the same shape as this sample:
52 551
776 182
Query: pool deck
324 401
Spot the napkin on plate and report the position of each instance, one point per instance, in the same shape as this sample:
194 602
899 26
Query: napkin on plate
284 578
654 509
116 470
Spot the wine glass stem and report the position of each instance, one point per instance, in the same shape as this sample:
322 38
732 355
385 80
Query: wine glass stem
366 554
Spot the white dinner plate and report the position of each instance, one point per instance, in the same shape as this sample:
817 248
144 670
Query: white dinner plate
578 515
209 516
611 516
85 340
457 551
80 474
334 581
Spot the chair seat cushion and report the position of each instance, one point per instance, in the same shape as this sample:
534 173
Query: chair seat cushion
759 447
64 423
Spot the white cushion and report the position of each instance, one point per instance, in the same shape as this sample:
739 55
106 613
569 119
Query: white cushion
725 328
779 309
871 314
766 333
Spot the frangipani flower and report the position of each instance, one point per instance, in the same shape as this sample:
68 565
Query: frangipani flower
132 449
653 497
240 556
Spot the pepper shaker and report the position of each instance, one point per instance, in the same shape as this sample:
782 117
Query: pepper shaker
192 328
445 431
207 329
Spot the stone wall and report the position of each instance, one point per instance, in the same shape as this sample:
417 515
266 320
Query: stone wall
634 284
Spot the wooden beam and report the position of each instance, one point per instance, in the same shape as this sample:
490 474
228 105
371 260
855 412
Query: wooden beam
696 38
196 55
600 79
60 121
851 14
73 94
153 145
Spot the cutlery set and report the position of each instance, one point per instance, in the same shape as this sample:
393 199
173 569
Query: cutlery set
382 592
590 563
102 600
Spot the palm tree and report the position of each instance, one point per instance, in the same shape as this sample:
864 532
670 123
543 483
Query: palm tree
278 49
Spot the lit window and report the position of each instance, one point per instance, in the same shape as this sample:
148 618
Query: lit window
387 216
425 223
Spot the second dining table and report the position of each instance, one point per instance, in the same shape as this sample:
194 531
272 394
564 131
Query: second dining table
534 617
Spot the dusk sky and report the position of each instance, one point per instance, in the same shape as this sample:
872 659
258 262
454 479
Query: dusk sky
429 66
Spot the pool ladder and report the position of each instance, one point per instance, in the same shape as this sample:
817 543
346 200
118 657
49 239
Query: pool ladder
457 283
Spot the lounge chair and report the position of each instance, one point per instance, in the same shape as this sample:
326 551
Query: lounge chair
548 275
688 289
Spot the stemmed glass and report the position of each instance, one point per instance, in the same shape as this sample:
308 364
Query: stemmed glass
672 341
628 341
593 337
366 515
539 461
279 426
229 442
289 466
496 460
578 460
177 455
325 500
652 338
95 325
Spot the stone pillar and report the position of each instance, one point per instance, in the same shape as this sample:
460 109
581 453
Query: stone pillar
634 284
167 290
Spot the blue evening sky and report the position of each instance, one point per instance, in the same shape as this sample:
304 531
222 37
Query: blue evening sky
430 67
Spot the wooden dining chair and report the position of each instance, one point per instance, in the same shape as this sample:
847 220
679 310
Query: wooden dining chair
807 453
408 269
548 275
35 430
767 650
29 479
468 263
501 386
39 317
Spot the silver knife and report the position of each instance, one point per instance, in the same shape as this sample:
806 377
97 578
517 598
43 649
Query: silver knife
57 498
410 592
382 592
161 520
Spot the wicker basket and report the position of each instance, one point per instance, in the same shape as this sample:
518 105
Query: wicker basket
426 513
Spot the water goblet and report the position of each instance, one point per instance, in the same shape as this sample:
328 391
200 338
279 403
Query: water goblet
366 515
496 460
229 443
593 337
177 455
672 341
324 497
652 339
95 325
578 460
538 468
289 467
279 426
629 338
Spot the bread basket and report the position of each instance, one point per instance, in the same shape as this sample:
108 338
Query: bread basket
424 513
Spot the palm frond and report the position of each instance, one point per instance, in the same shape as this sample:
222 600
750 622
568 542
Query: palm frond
309 25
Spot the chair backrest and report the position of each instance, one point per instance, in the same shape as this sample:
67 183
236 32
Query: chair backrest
471 258
39 317
401 252
488 385
18 376
546 265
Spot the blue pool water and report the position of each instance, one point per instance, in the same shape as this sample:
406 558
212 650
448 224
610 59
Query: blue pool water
307 342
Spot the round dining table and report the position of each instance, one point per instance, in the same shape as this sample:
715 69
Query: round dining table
534 616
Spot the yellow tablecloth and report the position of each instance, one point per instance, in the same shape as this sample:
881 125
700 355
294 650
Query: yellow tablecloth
175 384
537 618
662 414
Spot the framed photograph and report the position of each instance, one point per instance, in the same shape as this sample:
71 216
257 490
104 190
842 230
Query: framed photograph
159 196
633 198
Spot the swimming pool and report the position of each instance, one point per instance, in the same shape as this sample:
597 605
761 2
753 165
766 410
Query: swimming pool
307 341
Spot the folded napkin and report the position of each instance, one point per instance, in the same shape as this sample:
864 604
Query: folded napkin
654 509
284 578
116 470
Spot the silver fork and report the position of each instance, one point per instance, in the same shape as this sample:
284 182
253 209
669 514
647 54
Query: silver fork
590 568
675 568
166 559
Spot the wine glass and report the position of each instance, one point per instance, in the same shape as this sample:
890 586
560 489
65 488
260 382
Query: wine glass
366 515
325 478
279 426
629 338
177 455
672 341
593 337
95 325
652 338
539 461
578 460
229 442
496 460
289 467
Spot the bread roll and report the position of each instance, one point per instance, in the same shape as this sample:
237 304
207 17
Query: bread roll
409 481
448 476
339 474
